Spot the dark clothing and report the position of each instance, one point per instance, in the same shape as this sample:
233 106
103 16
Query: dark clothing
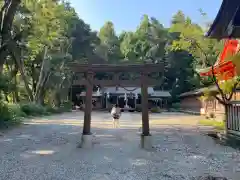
115 116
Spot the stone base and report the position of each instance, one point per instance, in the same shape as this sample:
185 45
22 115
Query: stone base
146 142
87 141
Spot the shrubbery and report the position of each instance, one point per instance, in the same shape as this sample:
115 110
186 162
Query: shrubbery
176 105
11 114
32 109
156 110
139 108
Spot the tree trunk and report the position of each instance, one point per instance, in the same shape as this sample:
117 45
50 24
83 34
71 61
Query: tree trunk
3 56
40 99
20 65
15 93
7 14
57 99
43 77
6 97
34 83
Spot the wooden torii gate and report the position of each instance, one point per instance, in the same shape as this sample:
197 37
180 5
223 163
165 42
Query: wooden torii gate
144 81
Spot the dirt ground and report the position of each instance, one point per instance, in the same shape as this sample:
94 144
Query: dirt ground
46 148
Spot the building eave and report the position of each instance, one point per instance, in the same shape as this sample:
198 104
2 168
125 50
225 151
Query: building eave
224 24
198 92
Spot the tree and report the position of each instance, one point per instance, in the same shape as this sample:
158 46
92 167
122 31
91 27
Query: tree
225 89
179 72
109 48
51 34
127 46
191 38
147 43
178 18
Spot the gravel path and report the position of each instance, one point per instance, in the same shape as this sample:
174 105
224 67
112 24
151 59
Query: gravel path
46 149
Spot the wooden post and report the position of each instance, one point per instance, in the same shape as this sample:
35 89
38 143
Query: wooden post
88 104
145 116
228 115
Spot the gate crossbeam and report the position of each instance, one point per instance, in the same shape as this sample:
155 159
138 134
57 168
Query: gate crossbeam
144 82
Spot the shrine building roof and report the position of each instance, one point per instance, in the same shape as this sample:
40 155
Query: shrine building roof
200 91
227 21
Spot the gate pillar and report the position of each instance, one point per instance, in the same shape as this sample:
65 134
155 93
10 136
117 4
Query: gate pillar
87 136
146 141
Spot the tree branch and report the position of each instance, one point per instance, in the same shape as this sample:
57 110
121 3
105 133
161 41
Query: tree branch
5 45
21 69
8 16
233 91
200 48
6 3
218 87
219 100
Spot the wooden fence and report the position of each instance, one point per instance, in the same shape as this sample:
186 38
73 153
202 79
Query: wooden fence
233 118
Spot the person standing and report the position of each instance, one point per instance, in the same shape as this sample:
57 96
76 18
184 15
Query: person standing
116 113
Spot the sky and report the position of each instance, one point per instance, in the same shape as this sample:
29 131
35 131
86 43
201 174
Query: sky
126 14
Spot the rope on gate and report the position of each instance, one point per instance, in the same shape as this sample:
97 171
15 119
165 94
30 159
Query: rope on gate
128 89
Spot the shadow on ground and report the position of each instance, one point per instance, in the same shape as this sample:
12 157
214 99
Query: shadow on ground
48 150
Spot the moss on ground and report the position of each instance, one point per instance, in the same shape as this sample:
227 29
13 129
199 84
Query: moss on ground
218 125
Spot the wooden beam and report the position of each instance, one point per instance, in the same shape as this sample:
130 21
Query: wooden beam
117 68
128 83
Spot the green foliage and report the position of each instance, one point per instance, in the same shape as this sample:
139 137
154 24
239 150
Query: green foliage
191 38
16 109
53 110
146 43
218 125
6 116
180 72
12 114
66 106
207 94
156 110
227 86
33 109
109 48
176 105
9 116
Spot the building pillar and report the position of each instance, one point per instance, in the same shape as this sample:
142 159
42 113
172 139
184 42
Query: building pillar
87 135
107 97
126 100
145 137
106 101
